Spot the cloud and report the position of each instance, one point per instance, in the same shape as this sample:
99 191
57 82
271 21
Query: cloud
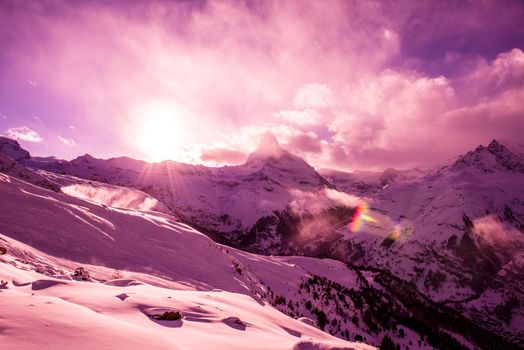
505 72
342 198
304 117
490 231
222 156
294 139
315 202
406 119
344 84
66 141
228 64
313 96
23 133
307 142
494 232
384 118
400 118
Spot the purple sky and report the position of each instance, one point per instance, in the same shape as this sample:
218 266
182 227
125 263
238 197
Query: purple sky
345 84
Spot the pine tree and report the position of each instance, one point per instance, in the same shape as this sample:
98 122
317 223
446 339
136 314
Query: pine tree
387 343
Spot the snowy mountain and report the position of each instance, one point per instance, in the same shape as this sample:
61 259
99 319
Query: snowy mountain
458 234
140 265
368 183
129 269
447 243
226 203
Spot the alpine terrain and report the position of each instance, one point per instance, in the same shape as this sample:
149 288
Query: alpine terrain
365 257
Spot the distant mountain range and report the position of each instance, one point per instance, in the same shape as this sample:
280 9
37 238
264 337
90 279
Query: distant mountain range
448 242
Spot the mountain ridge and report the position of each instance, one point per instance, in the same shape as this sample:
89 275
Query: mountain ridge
434 230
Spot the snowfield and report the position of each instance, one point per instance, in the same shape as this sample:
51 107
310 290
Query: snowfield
49 313
141 265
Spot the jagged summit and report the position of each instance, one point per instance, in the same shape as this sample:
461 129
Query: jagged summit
493 157
270 155
13 149
268 147
495 145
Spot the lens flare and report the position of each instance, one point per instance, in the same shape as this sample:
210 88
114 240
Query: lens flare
395 232
361 215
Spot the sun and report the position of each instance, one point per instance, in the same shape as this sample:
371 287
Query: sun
159 135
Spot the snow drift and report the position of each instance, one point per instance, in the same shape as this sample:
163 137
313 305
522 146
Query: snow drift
114 196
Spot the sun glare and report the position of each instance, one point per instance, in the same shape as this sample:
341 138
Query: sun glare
160 133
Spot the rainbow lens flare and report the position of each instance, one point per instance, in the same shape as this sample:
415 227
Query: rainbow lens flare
361 215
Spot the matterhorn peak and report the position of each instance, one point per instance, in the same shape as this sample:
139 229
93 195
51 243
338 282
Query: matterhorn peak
268 147
268 142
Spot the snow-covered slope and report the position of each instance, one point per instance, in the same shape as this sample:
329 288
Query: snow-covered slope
47 235
139 264
458 234
224 202
14 168
38 312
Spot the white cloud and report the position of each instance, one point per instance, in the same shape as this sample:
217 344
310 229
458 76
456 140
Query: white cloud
314 202
66 141
23 133
313 96
342 198
297 117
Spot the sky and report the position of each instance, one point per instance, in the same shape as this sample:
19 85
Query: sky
345 84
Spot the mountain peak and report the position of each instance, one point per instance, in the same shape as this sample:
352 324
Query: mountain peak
494 156
268 147
269 144
494 142
13 149
86 158
496 147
